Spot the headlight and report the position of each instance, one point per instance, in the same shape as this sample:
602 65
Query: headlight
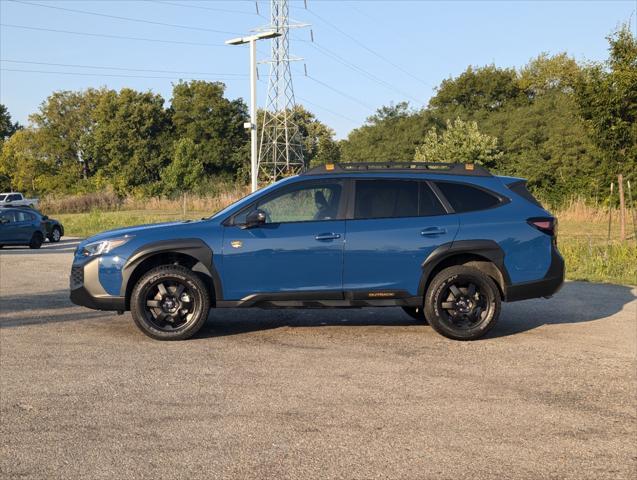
102 246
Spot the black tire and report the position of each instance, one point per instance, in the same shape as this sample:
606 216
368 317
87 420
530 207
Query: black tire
170 302
417 313
56 235
36 240
462 303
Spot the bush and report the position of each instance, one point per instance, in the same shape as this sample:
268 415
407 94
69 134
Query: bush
81 203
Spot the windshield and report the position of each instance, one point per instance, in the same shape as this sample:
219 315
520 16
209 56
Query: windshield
246 199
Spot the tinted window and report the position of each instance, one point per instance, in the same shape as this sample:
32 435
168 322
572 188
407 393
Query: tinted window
464 198
310 202
521 190
24 217
386 198
7 216
429 203
13 198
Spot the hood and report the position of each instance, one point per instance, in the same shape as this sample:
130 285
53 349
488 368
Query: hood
135 230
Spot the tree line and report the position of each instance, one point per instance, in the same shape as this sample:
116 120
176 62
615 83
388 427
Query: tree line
568 127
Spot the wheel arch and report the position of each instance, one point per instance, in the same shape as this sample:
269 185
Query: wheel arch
191 253
485 255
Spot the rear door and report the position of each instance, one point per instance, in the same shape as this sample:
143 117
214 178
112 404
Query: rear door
396 224
25 225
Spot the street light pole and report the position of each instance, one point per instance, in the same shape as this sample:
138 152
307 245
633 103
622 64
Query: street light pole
252 125
254 168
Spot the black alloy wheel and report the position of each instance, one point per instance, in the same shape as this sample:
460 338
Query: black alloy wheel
462 303
170 302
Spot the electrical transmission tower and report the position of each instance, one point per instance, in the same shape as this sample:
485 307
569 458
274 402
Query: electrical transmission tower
280 145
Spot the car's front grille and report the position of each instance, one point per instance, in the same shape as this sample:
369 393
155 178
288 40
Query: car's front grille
77 277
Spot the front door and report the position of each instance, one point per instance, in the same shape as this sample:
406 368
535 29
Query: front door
299 250
396 225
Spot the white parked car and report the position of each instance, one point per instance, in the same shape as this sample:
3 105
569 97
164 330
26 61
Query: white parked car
16 199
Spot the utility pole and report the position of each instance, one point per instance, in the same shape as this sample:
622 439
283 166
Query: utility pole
252 125
280 148
622 208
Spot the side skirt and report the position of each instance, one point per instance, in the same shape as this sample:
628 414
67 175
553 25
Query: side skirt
353 299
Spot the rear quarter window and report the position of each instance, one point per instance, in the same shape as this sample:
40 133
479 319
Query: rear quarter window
465 198
521 190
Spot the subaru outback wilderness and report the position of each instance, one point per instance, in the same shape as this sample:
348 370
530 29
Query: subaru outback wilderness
447 242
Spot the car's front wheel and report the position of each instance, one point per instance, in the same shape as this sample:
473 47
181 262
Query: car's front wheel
462 303
56 235
170 302
36 240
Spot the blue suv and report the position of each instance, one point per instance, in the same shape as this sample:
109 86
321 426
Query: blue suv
446 242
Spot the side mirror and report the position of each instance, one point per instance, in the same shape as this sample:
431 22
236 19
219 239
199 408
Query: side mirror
4 221
255 218
45 217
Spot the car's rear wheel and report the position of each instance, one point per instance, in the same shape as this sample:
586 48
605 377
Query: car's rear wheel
462 303
56 235
170 302
36 240
417 313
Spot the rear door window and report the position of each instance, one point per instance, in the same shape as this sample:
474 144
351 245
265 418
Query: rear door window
465 198
394 199
24 217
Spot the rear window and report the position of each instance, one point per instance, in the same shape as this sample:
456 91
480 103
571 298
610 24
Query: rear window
394 199
520 188
465 198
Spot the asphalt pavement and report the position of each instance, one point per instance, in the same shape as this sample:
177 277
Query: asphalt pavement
551 393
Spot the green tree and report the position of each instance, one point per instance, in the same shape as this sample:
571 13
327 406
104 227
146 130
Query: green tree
545 73
460 142
482 88
65 120
132 137
391 135
23 162
7 127
200 112
607 98
186 170
319 146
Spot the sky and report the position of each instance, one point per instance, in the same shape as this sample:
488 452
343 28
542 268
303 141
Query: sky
365 54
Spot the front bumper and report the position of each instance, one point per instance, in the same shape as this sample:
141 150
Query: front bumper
87 291
546 287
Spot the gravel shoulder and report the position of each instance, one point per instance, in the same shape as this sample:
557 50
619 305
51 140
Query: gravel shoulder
369 393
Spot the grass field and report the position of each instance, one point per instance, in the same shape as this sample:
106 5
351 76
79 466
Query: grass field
582 238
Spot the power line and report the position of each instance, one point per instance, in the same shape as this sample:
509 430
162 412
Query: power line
101 67
105 35
96 74
373 52
128 19
341 93
199 7
327 52
321 107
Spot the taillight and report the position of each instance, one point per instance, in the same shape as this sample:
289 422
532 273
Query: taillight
546 225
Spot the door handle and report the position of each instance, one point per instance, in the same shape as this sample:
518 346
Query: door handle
327 236
430 231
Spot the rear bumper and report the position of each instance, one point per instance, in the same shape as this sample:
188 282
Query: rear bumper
549 285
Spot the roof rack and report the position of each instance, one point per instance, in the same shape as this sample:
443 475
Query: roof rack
411 167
